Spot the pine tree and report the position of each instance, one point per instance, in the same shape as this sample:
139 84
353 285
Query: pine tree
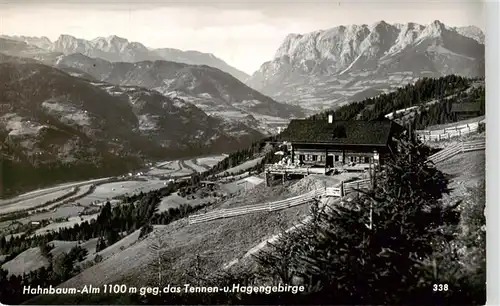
101 244
348 257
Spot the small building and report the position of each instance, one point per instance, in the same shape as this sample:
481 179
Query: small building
332 143
464 111
207 183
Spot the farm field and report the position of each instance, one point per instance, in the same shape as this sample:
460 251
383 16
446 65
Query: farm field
41 192
83 189
29 260
61 246
173 173
65 211
33 202
170 165
186 167
70 223
174 201
209 161
244 166
106 192
198 168
173 168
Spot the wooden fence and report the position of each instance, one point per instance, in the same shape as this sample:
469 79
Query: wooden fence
282 204
344 189
271 206
448 133
461 147
359 184
285 169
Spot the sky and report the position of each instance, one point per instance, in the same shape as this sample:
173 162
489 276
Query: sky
245 34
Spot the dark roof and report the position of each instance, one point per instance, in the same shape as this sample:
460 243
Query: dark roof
354 132
465 107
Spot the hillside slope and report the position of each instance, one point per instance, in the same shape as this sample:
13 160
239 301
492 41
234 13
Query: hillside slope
427 102
212 90
215 91
49 118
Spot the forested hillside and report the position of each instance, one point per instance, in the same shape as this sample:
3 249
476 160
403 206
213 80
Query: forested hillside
433 97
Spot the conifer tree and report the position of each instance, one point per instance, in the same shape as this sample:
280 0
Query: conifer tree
376 249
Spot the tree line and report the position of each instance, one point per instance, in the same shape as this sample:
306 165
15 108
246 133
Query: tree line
424 90
396 243
112 224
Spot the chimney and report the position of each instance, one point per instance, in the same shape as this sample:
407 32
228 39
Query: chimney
330 118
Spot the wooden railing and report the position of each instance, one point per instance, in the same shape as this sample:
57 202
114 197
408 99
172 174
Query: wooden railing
271 206
448 133
461 147
344 189
359 184
285 169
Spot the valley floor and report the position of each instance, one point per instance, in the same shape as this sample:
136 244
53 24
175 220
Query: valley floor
205 248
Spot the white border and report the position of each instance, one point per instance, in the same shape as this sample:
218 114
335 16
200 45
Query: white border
492 84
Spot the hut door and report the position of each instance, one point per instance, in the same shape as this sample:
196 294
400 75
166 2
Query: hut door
329 161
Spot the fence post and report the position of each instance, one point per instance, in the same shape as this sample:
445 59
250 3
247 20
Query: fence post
342 189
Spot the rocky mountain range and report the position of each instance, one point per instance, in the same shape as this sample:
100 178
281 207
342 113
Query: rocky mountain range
216 92
348 63
118 49
78 104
